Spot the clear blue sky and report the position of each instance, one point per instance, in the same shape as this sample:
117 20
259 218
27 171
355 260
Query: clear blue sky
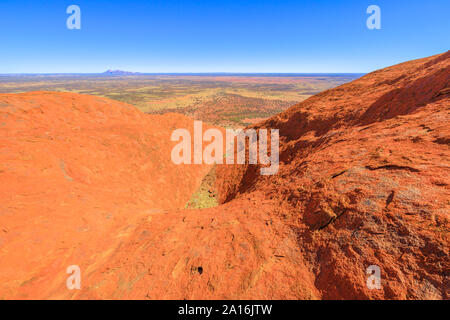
218 36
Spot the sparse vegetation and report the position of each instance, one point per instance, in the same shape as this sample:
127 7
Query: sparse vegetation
206 195
229 101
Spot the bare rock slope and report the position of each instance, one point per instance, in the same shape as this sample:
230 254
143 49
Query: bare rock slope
363 180
76 173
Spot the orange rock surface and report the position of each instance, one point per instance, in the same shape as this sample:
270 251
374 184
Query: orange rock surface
363 180
76 174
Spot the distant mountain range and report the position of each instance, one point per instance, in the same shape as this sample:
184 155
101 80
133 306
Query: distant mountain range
119 73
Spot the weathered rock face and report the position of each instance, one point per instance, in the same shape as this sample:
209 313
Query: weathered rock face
363 180
76 173
365 171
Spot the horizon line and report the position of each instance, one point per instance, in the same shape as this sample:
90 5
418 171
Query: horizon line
126 73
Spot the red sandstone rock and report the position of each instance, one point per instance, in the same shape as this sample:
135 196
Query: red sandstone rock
76 173
363 180
364 177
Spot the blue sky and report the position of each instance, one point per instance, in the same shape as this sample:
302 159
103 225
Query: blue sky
218 36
